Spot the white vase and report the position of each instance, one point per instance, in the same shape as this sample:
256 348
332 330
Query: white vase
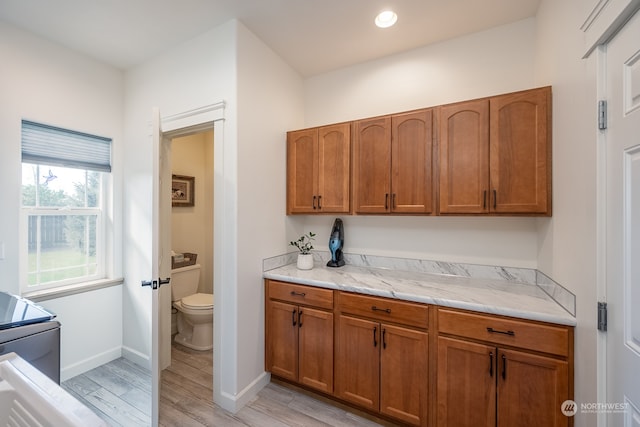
305 261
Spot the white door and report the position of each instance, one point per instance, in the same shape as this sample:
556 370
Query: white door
160 261
623 227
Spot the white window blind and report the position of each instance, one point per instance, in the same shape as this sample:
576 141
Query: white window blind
44 144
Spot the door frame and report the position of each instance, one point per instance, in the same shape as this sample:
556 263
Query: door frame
224 225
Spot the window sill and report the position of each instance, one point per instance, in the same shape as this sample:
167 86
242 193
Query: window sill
77 288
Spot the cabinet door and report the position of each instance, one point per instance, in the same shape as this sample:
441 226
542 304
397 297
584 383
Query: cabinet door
531 389
302 171
334 160
464 157
358 362
520 152
282 339
372 165
411 163
466 384
316 349
404 375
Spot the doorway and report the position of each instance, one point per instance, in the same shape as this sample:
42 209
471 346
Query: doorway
164 130
186 388
192 216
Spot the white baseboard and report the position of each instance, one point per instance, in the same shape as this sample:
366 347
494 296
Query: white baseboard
233 403
89 363
136 357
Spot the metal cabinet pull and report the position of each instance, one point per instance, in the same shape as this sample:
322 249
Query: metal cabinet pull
297 294
386 310
299 318
375 336
495 199
495 331
314 202
384 339
504 367
484 199
491 364
386 201
293 317
319 199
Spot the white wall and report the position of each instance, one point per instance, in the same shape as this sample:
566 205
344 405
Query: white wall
191 226
195 74
47 83
534 52
263 99
487 63
91 331
567 241
269 104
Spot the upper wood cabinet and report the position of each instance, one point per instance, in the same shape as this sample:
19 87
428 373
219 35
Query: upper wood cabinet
318 170
492 157
372 165
520 152
464 157
393 165
495 155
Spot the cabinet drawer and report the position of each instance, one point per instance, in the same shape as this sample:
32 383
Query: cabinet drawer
385 309
300 294
498 330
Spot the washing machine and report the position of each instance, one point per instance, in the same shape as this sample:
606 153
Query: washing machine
31 332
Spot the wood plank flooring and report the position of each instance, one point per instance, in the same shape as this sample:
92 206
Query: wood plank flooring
120 393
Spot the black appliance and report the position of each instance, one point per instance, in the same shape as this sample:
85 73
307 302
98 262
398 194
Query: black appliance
336 243
31 332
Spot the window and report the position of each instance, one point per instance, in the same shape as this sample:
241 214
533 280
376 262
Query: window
63 177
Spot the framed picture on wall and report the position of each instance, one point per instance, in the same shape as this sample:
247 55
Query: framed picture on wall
182 190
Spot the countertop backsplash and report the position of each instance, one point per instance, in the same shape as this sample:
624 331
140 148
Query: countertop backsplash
519 276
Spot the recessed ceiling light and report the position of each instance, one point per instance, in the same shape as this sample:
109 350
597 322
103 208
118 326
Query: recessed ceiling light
386 19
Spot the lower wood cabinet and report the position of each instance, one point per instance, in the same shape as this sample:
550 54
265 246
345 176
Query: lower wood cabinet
484 370
299 338
490 384
380 366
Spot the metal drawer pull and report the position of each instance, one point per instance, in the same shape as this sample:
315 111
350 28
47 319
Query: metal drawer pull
297 294
386 310
293 317
375 336
494 331
504 367
299 318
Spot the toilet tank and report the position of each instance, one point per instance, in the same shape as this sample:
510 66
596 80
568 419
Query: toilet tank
184 281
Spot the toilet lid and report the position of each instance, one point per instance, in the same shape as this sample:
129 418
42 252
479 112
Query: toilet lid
198 301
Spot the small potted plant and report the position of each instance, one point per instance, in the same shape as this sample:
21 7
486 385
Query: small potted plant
305 257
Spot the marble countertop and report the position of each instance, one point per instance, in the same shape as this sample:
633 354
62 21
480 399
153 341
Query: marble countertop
494 296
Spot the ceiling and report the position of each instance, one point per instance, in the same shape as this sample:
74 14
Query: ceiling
313 36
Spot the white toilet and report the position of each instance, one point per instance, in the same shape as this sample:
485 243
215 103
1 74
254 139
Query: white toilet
195 310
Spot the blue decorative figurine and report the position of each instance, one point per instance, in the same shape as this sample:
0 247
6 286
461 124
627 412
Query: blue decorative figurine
336 242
